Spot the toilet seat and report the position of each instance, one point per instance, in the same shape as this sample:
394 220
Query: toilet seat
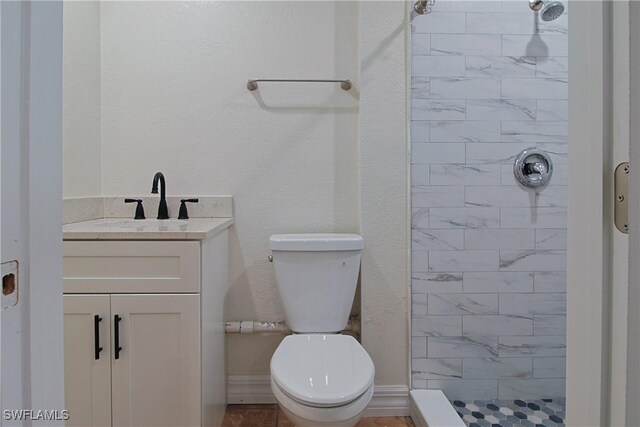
321 370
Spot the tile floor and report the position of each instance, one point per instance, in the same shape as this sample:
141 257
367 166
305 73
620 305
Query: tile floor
509 413
474 413
271 416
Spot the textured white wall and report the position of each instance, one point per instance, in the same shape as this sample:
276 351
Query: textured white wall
174 99
81 103
384 165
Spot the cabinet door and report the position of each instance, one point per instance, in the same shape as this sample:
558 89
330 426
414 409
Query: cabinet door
87 378
156 377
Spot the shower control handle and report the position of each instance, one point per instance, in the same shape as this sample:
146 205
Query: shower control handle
537 167
533 168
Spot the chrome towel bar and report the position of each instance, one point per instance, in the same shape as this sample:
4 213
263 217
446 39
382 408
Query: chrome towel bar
252 84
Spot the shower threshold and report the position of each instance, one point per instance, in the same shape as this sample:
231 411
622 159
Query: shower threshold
430 408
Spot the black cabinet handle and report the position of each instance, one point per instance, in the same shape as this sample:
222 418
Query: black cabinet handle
116 325
96 334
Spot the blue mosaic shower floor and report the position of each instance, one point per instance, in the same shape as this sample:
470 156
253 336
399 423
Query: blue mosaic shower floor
508 413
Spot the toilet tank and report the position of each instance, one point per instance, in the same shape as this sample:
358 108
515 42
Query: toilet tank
317 275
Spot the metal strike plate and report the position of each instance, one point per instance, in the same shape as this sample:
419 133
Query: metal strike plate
9 284
621 190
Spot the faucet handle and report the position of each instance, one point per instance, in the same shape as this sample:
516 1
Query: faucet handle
183 208
139 208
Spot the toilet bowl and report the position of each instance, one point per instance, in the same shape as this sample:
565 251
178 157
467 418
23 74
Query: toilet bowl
322 380
319 377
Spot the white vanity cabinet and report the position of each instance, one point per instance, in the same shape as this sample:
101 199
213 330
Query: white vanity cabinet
144 332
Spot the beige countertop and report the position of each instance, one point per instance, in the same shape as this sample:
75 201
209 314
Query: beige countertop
145 229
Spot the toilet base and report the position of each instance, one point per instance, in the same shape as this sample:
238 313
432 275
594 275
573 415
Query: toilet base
308 416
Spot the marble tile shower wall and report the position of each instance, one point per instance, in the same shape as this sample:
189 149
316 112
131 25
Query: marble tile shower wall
488 256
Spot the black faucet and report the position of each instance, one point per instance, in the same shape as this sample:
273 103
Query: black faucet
163 212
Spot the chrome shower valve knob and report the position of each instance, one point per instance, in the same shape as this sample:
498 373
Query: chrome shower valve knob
533 168
537 167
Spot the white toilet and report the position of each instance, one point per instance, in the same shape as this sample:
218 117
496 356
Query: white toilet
319 377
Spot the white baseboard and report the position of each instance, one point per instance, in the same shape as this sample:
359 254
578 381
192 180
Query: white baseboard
249 389
387 400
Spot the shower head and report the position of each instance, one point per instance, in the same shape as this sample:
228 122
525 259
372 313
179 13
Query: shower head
548 10
551 11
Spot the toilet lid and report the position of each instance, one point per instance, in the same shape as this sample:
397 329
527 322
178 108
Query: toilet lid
322 370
